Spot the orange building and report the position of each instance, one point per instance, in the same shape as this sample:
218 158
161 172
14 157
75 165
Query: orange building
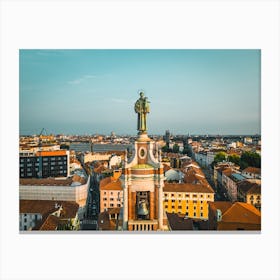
224 215
111 193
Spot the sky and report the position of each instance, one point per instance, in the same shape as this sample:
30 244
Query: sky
94 91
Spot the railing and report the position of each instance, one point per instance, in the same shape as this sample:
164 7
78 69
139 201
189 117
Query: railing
143 225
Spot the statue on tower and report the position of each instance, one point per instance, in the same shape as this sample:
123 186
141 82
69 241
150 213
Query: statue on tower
142 107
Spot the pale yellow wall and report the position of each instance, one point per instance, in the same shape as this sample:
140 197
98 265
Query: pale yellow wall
111 198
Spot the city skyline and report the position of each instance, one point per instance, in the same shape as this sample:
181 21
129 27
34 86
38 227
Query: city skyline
94 91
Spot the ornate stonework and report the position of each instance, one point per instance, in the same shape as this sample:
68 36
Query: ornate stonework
143 180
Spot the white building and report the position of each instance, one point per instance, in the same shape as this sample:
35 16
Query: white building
55 189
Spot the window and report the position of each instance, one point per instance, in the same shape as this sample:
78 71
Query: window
194 214
173 207
111 193
166 206
201 208
179 207
25 220
173 200
172 194
201 195
179 195
194 195
105 198
187 195
201 202
104 192
187 213
195 201
119 205
111 205
105 204
111 199
187 207
201 214
194 207
165 194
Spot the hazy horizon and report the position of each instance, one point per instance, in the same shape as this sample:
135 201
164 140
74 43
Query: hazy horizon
82 92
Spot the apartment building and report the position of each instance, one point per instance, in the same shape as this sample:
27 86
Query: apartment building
188 199
44 164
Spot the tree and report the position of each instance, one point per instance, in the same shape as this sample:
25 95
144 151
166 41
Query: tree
187 151
175 148
165 149
250 159
234 158
220 156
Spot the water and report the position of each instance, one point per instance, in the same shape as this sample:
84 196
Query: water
88 147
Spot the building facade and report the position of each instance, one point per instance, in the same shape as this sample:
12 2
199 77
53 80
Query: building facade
44 164
188 199
52 189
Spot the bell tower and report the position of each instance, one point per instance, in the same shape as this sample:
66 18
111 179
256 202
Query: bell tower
143 178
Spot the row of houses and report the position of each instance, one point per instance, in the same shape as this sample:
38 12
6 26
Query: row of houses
243 186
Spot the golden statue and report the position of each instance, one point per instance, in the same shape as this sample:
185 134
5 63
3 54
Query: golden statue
142 107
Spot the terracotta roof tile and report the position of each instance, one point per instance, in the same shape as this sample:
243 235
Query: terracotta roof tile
179 223
241 212
255 189
222 205
227 172
46 182
105 223
50 223
46 207
254 170
109 183
245 185
193 188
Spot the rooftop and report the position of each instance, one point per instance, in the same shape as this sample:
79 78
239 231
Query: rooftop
177 222
109 183
186 187
51 153
75 180
254 170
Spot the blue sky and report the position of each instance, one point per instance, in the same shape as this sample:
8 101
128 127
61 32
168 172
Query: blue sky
94 91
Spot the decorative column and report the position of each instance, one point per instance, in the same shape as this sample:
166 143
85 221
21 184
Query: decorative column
160 206
156 202
152 205
130 215
125 205
133 204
